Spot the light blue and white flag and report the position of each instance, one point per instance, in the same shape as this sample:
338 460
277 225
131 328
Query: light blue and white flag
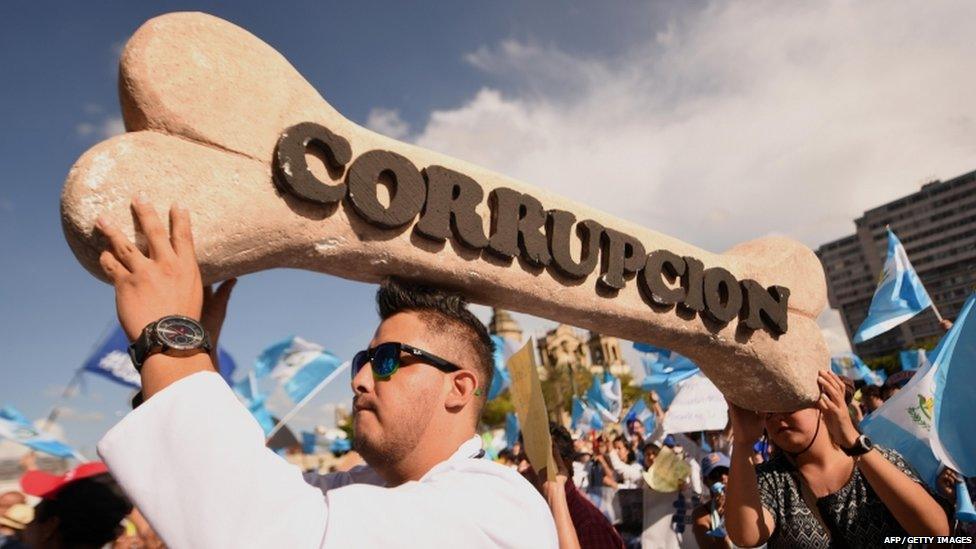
606 396
954 362
511 429
646 349
585 418
502 350
663 374
247 390
299 366
914 359
640 412
898 297
851 366
14 426
927 420
111 360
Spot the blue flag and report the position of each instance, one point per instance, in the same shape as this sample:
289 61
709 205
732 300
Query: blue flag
663 373
111 361
502 351
913 359
898 297
850 365
511 429
300 366
585 418
14 426
606 397
953 437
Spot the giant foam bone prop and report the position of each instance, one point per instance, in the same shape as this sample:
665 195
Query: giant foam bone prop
221 122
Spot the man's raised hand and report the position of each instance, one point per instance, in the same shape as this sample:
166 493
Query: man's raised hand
167 282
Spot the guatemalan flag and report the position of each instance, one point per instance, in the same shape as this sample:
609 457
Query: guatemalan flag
928 419
111 360
502 350
299 366
664 371
247 390
606 397
640 412
851 366
913 359
898 297
585 418
14 426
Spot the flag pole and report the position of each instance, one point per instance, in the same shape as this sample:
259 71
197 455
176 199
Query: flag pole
935 310
56 409
294 411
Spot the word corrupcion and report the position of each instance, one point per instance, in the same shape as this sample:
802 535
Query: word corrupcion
446 202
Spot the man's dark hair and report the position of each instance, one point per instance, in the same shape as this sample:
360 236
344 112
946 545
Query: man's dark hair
563 442
443 312
89 511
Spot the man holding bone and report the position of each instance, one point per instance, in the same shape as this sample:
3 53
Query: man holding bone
194 461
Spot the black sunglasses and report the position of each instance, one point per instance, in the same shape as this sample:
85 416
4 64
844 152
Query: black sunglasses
385 359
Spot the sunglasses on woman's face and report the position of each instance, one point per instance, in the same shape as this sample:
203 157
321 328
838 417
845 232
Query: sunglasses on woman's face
385 359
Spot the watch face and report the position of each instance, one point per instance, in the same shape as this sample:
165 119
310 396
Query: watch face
178 332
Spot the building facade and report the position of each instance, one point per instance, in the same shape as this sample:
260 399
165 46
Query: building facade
937 226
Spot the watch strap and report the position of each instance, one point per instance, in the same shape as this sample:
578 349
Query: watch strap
139 349
861 446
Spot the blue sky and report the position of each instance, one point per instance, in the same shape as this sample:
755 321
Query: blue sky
757 117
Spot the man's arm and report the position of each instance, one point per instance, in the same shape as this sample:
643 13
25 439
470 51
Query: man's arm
191 457
167 282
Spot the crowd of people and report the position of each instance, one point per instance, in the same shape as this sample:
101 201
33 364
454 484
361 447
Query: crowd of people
193 461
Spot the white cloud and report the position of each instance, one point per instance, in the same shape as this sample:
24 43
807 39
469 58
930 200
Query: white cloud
742 119
107 127
387 122
832 328
67 413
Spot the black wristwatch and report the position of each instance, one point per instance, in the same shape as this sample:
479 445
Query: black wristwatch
173 335
861 446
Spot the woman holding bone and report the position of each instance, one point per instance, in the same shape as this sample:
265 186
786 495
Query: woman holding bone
826 486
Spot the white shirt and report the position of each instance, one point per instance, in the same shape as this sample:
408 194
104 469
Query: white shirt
193 461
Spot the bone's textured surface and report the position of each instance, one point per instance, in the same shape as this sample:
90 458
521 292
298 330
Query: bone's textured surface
205 102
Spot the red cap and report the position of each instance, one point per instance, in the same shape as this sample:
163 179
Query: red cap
45 485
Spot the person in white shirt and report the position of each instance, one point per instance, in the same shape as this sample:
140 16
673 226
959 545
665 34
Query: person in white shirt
193 460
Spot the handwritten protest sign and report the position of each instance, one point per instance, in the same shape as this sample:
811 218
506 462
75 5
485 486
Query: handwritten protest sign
530 407
698 406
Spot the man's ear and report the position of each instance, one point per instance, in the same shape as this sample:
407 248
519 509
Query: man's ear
464 389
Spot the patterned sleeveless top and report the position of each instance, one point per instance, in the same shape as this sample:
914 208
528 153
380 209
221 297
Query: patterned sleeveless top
853 516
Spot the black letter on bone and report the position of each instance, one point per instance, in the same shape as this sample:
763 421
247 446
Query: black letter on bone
406 198
517 220
660 264
692 282
559 226
765 307
291 170
451 201
723 297
622 255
